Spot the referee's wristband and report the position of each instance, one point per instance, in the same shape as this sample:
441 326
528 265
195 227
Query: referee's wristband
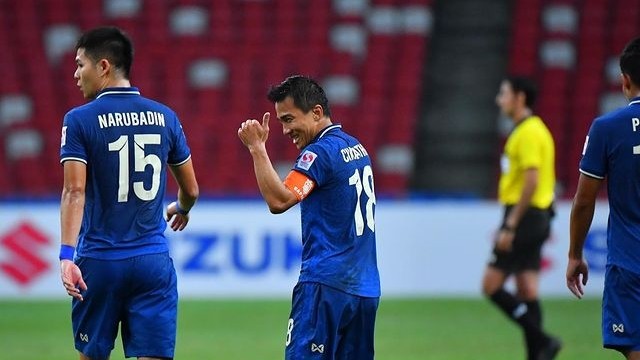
66 252
180 210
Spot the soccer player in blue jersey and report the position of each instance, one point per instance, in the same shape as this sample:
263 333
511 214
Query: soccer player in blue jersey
612 152
336 298
115 151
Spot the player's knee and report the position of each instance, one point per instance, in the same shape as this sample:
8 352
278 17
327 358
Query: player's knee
489 287
491 283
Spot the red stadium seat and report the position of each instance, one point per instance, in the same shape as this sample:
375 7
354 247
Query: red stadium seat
259 42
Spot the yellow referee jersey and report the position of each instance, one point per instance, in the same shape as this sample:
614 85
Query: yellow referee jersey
530 145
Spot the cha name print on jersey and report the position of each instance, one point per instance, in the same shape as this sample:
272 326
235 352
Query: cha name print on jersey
306 159
353 153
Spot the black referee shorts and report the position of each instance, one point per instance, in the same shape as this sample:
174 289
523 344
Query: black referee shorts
532 231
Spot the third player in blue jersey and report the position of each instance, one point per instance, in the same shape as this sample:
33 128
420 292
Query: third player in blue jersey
612 152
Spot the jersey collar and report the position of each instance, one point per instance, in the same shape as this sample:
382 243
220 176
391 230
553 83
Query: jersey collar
327 129
119 91
635 100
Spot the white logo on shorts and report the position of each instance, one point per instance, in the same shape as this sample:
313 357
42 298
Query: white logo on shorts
317 348
618 328
84 337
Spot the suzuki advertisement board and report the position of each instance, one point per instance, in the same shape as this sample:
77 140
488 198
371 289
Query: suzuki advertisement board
239 249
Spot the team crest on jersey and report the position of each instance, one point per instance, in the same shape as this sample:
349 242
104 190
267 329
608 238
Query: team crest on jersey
63 136
306 159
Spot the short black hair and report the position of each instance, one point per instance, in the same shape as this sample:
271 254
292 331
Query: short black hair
521 84
305 92
109 43
630 61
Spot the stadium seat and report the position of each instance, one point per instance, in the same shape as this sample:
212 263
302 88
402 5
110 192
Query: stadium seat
122 8
213 62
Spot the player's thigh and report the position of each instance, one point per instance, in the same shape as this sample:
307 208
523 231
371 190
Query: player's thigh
357 338
318 314
95 319
620 310
149 327
305 329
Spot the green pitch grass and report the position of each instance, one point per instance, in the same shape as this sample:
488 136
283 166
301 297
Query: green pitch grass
411 329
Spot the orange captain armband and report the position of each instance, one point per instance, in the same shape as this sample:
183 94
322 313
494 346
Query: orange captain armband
299 184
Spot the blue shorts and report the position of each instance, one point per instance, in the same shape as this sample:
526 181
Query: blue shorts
620 310
326 323
139 294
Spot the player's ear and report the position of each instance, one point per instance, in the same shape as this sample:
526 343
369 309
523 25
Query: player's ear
626 82
103 65
318 112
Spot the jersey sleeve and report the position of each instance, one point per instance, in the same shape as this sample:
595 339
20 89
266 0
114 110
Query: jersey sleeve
179 152
72 142
594 153
315 163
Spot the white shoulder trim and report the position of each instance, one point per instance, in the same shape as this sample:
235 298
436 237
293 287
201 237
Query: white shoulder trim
73 159
592 175
181 162
634 102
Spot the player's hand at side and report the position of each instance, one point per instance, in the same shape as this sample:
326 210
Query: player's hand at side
504 240
177 221
72 279
577 276
253 133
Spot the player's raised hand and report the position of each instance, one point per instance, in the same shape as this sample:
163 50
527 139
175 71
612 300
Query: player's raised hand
72 279
577 276
265 122
253 133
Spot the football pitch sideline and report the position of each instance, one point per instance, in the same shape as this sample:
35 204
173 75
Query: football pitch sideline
406 329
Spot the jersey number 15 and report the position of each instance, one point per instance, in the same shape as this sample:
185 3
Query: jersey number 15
140 164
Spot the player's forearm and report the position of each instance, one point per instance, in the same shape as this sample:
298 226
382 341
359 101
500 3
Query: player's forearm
188 190
187 199
275 194
71 212
188 193
580 222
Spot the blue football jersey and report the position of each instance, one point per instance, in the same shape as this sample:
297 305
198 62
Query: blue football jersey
612 151
126 141
338 216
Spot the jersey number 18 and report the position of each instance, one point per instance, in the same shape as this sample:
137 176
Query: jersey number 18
365 183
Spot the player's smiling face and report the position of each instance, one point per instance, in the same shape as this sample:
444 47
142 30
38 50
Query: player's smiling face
297 125
86 75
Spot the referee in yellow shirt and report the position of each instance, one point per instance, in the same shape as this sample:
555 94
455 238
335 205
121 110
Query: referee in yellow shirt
526 190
